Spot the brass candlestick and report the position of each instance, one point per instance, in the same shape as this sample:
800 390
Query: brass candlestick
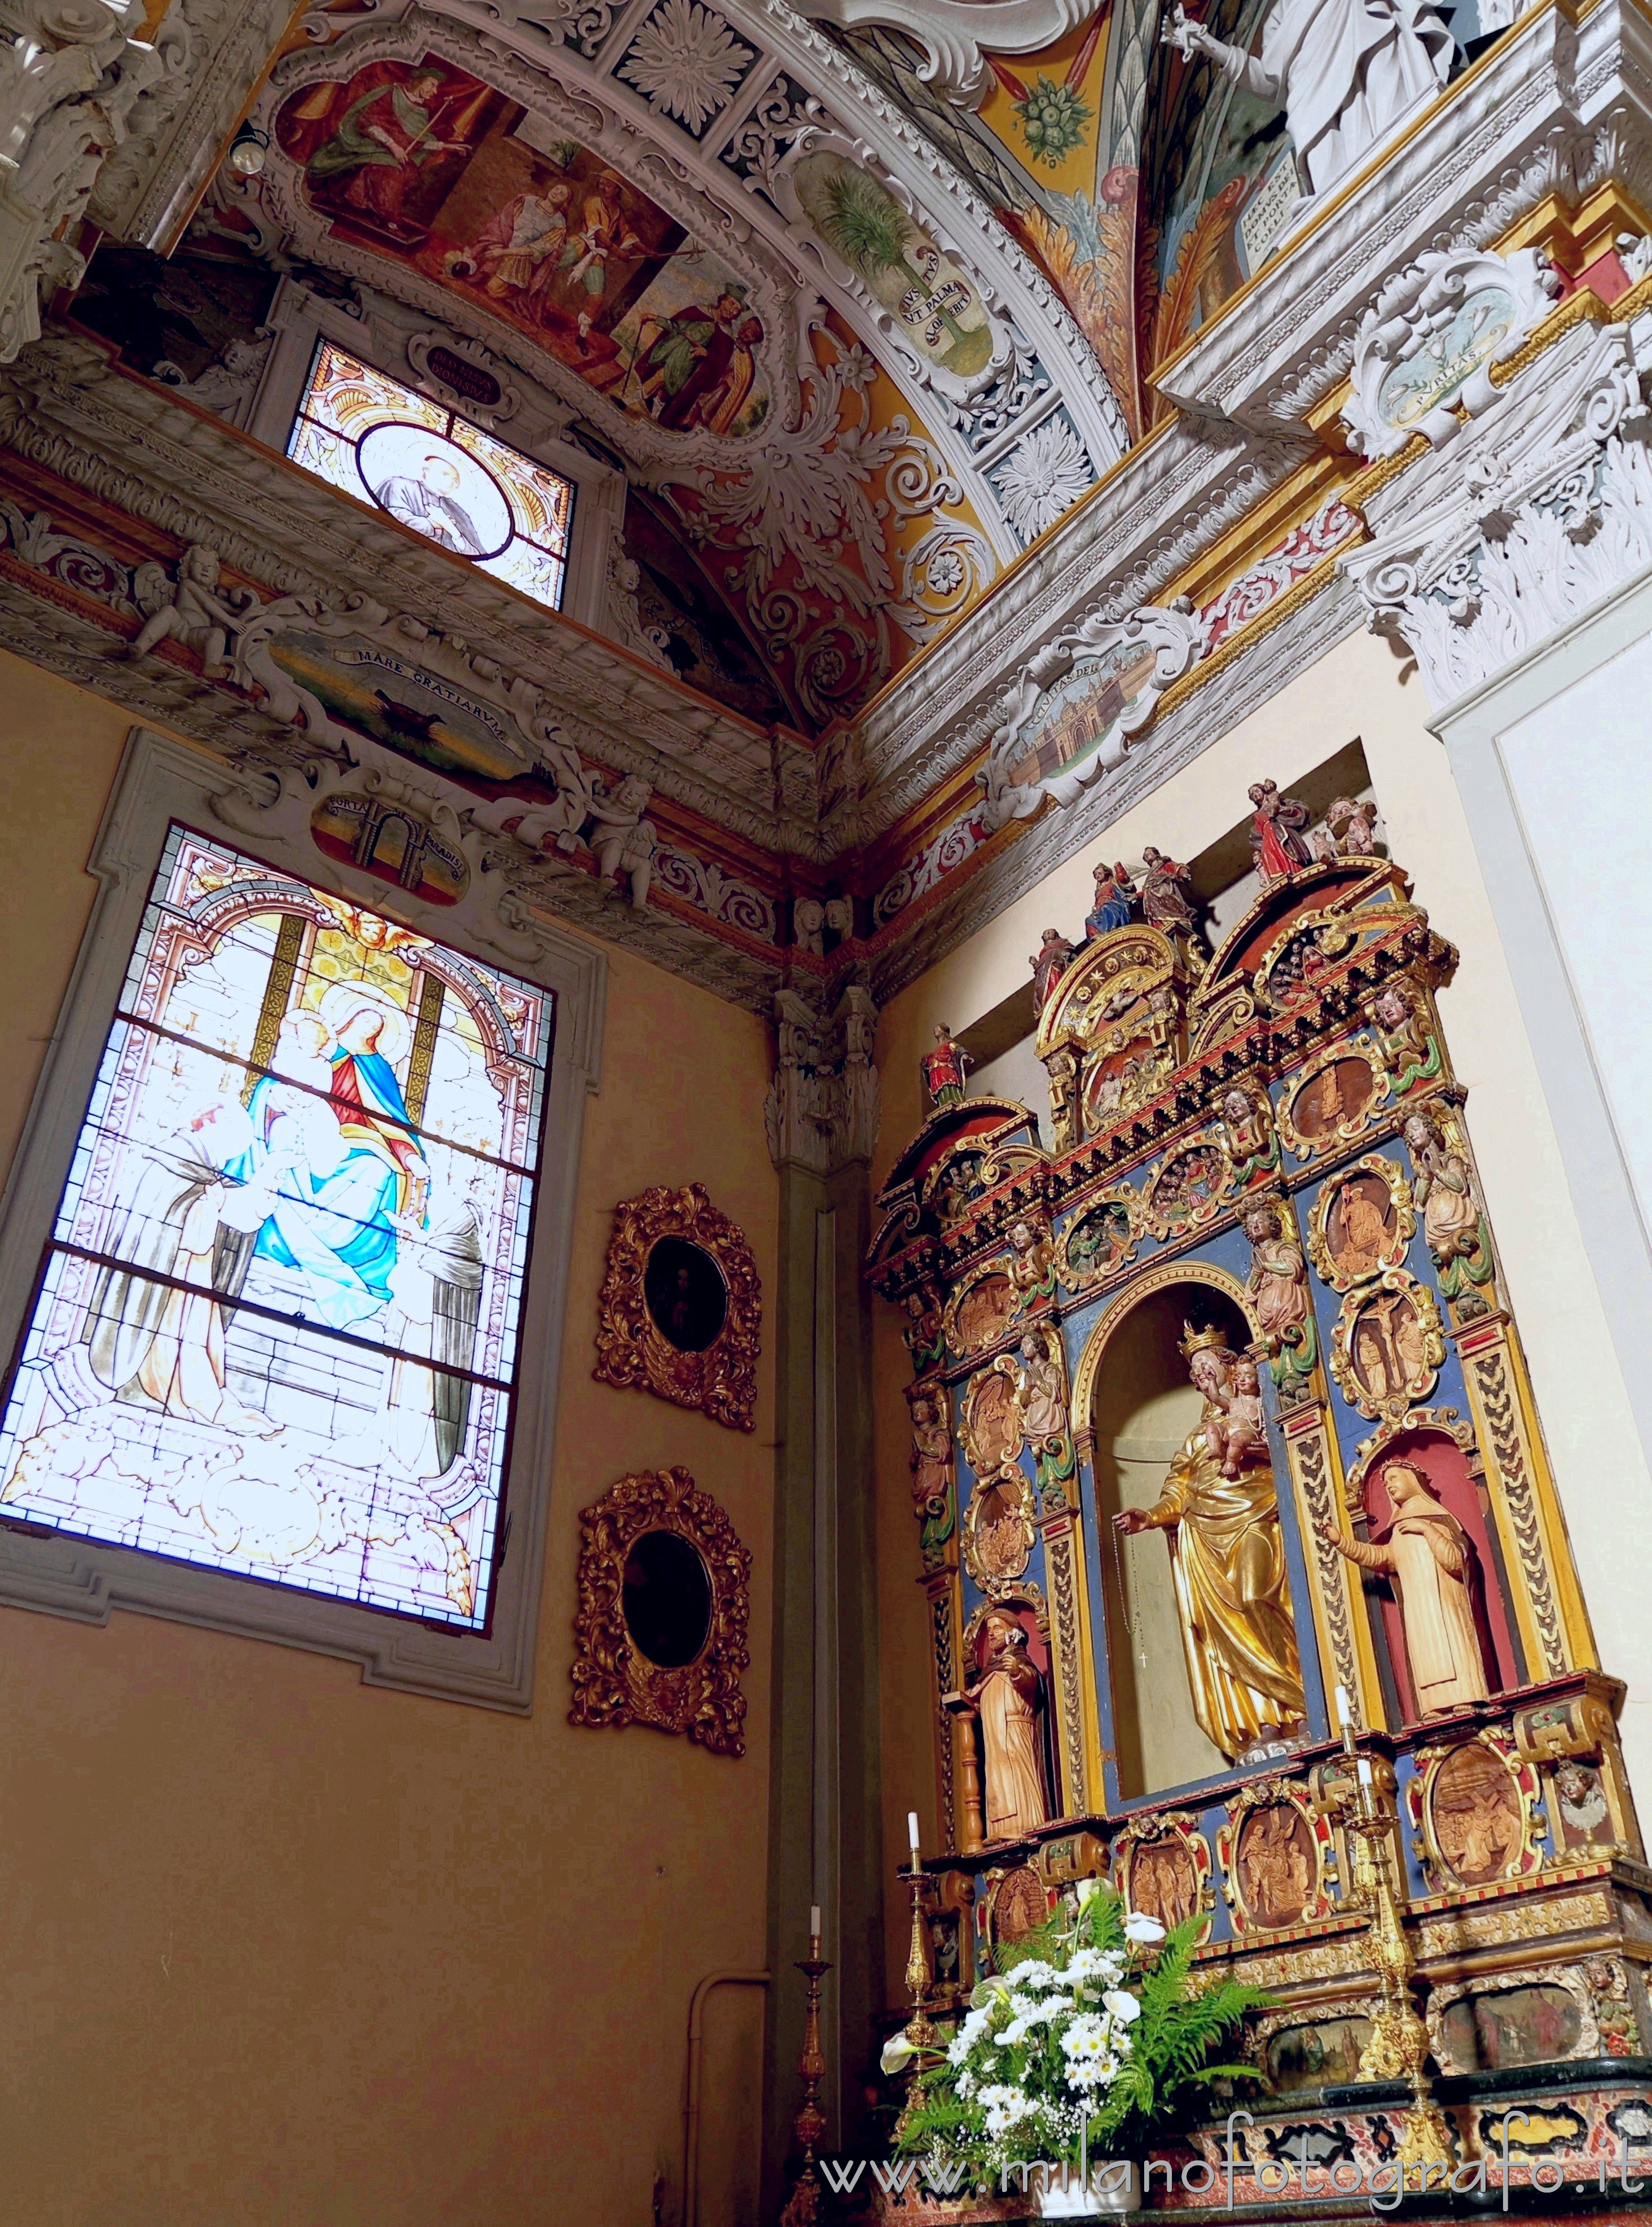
919 2031
803 2208
1397 2049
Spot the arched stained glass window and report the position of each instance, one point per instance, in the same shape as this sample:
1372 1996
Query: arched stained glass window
423 464
276 1329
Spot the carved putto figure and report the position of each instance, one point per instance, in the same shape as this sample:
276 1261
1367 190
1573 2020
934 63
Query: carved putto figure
1048 963
1343 71
195 609
1408 1051
1228 1563
1247 1130
623 840
1032 1258
1429 1556
1353 827
1277 824
1008 1693
1116 898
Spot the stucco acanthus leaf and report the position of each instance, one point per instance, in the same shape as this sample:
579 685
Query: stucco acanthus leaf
1427 345
951 33
1538 511
1175 634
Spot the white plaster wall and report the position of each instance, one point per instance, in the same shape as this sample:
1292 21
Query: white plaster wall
1362 689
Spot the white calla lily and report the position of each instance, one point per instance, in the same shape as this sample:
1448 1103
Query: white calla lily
898 2053
1123 2006
1142 1930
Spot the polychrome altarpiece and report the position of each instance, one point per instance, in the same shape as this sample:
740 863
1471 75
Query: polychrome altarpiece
1240 1546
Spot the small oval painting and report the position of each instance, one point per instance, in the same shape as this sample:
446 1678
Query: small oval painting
684 1291
666 1598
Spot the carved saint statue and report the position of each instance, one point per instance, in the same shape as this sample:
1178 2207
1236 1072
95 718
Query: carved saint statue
1031 1255
1344 72
944 1069
1429 1556
1277 823
1008 1691
1116 897
1227 1562
1048 963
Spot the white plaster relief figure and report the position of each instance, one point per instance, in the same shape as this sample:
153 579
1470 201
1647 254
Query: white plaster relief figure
195 609
1344 72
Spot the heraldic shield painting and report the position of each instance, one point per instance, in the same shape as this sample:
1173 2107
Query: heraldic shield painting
277 1326
433 168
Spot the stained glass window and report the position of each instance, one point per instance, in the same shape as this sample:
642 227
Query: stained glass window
276 1331
422 464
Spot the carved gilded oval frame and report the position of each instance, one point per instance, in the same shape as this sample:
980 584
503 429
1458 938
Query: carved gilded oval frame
632 1349
1343 1273
614 1682
1408 1371
1337 1122
1117 1200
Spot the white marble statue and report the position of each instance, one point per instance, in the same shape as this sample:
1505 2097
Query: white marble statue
1344 72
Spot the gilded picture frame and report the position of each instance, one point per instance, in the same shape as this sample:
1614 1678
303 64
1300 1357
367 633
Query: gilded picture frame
1162 1866
1334 1124
637 1344
1261 1893
1117 1200
1340 1261
1388 1345
615 1682
1462 1792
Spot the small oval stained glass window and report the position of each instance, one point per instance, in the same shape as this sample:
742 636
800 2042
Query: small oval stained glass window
686 1294
665 1595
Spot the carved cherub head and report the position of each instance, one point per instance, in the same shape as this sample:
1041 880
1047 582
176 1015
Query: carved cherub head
1421 1134
1392 1007
1261 1223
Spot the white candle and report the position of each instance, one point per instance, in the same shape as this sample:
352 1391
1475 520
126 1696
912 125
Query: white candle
912 1832
1365 1771
1344 1714
814 1921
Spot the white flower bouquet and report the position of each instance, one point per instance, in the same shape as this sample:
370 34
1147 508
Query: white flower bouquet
1089 2043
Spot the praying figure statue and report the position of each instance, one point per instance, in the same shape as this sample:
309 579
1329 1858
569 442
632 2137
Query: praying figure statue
1429 1556
1008 1691
1228 1563
1343 71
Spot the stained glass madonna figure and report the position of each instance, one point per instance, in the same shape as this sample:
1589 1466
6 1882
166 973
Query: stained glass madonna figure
277 1328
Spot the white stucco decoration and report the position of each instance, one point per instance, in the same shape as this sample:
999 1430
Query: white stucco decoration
952 32
1080 702
1427 346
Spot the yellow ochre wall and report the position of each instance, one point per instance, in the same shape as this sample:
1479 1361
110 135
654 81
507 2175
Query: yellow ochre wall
1357 689
281 1947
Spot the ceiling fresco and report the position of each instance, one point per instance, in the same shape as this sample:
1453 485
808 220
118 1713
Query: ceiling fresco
424 163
